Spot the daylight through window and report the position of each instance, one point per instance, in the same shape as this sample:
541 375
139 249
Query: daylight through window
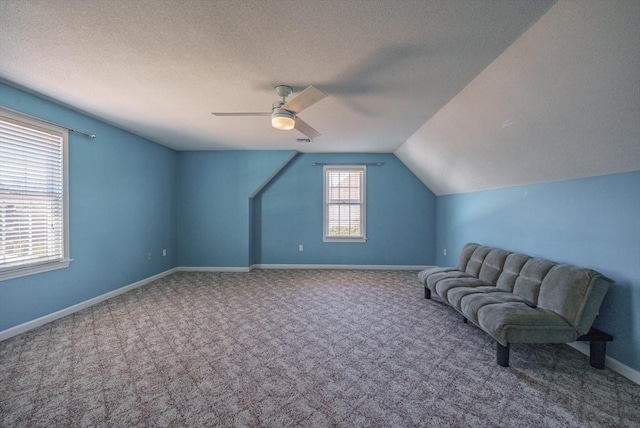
33 199
344 203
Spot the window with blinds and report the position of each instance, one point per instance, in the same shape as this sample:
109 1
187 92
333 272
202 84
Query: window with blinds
33 197
344 203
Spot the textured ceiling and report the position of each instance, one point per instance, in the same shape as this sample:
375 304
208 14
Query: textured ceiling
470 95
159 68
562 102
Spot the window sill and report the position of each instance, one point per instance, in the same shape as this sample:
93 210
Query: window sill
334 239
34 269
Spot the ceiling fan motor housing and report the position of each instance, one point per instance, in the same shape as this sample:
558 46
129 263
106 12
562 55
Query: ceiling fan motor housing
284 91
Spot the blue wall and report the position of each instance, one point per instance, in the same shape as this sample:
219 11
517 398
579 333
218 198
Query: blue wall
400 216
214 207
130 196
122 199
592 222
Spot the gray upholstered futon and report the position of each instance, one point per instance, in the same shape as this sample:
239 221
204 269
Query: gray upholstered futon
519 299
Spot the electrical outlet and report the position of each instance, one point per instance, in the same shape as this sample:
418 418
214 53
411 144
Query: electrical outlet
149 256
164 253
444 252
300 247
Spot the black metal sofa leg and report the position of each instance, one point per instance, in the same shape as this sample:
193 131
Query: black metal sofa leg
502 355
597 354
427 293
597 346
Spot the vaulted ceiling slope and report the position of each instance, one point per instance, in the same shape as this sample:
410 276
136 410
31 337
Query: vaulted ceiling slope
562 102
158 68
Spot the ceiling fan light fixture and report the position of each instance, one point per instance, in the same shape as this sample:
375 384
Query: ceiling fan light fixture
282 119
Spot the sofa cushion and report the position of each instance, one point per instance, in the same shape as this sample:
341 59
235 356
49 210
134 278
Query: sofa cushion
472 302
512 267
429 270
492 266
433 279
465 255
444 286
456 294
515 322
475 262
527 284
574 293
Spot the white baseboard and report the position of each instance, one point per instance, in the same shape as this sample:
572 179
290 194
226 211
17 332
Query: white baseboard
30 325
212 269
615 365
349 267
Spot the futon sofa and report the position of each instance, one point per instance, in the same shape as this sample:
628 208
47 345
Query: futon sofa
520 299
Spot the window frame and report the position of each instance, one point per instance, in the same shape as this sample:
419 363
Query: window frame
32 268
363 205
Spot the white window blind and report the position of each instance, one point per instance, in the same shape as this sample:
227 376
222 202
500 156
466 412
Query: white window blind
32 197
344 203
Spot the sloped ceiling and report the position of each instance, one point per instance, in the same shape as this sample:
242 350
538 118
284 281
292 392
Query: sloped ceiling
561 102
158 68
470 95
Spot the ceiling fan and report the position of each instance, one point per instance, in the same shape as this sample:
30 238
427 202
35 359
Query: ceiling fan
284 114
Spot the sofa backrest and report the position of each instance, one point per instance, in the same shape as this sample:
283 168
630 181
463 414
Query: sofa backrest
574 293
475 262
492 265
528 283
465 255
511 270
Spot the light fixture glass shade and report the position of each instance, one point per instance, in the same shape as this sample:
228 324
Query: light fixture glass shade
282 119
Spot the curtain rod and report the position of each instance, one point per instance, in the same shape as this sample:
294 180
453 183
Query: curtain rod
348 163
86 134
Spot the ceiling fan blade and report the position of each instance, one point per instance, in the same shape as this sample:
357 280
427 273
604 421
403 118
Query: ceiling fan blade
304 99
242 114
306 129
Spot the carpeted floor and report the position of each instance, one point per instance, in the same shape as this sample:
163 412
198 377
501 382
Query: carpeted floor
280 348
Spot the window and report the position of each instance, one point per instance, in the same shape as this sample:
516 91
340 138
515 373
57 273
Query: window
344 203
33 196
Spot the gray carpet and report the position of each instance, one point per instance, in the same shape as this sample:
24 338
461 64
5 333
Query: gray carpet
279 348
